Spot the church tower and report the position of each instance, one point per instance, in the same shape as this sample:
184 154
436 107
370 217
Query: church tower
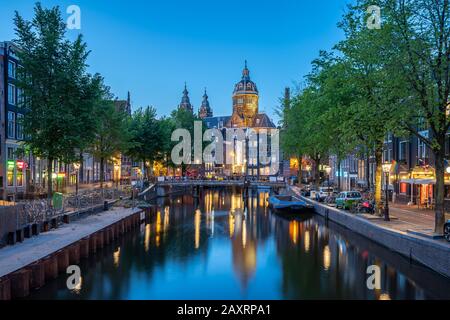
245 101
185 101
205 110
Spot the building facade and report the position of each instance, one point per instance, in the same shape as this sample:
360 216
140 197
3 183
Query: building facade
243 158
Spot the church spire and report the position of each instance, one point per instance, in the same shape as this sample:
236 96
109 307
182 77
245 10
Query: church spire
185 101
245 72
205 110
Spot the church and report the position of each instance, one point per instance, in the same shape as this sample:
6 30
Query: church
245 116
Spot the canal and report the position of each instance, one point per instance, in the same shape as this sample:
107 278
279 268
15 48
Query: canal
222 247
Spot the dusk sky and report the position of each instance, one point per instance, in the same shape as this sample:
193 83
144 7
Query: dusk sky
152 47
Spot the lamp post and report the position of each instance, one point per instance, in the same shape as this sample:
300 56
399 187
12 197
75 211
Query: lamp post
386 169
328 171
76 166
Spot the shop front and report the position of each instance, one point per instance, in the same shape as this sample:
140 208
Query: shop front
417 187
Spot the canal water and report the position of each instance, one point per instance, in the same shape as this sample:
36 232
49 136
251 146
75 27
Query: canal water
223 247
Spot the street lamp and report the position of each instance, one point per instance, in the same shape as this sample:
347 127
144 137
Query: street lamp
386 169
328 171
76 166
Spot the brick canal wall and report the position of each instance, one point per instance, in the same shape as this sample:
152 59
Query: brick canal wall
431 253
29 266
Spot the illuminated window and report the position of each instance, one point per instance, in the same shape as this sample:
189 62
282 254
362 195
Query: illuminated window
19 178
10 173
403 188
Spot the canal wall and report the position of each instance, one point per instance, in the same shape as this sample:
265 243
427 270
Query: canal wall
431 253
31 264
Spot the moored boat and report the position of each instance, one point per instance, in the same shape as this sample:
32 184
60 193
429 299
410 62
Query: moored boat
286 203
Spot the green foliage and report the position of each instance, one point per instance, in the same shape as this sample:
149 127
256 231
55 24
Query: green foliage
150 136
112 135
60 94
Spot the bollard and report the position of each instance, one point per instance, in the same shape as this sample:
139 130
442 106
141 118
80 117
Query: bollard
37 270
51 267
93 243
5 289
54 223
63 260
45 226
27 231
20 283
35 229
66 218
84 248
12 238
20 235
74 253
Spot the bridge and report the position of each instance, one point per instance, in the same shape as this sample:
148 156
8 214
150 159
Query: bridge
223 183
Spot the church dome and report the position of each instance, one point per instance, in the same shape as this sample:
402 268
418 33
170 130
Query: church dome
245 85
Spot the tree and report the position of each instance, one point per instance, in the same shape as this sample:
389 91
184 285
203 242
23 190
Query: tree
372 112
60 95
420 39
148 137
184 119
112 135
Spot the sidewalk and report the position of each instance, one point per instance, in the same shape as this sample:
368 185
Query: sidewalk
413 218
15 257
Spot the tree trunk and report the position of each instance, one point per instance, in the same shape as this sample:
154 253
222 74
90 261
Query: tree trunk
439 220
367 170
300 172
81 170
317 173
339 174
378 177
49 178
102 171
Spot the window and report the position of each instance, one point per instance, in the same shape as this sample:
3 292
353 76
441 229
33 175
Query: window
10 153
12 69
20 126
421 150
20 98
11 94
19 178
10 176
11 124
403 188
402 150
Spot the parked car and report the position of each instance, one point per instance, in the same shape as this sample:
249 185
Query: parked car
447 231
323 193
347 199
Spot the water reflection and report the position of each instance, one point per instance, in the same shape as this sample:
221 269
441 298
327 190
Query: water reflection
224 246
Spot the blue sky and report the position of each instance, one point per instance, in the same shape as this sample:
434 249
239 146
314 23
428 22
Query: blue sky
152 47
